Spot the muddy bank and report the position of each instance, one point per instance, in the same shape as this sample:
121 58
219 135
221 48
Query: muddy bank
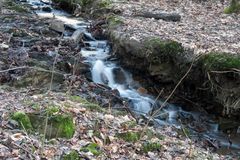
213 80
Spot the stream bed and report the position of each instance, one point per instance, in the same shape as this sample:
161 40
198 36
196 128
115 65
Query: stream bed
106 70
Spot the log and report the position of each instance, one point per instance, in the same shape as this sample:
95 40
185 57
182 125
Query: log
164 16
77 35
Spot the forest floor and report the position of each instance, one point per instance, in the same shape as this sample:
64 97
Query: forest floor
99 133
203 26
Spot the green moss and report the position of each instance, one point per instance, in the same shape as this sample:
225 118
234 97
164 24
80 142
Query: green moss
114 21
233 8
129 124
23 120
64 124
129 136
158 50
220 61
104 3
33 105
13 6
151 134
52 110
73 155
58 126
87 104
150 147
93 148
84 3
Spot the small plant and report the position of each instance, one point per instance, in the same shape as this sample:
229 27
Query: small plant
52 110
150 147
13 6
87 104
129 136
73 155
104 3
233 8
93 148
221 61
114 21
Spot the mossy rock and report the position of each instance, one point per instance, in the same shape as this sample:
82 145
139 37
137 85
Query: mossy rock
129 136
158 50
93 148
220 61
73 155
23 120
58 125
151 147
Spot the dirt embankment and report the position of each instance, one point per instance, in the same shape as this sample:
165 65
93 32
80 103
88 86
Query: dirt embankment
164 48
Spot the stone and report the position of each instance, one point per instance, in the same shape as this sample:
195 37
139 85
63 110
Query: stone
57 26
142 90
119 76
4 46
47 9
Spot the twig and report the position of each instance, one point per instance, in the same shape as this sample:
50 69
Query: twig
234 70
128 110
55 60
35 157
28 67
191 147
173 91
54 63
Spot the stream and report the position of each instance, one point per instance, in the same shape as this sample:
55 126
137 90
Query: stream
105 71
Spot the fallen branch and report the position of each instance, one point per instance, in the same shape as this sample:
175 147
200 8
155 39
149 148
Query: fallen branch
27 67
164 16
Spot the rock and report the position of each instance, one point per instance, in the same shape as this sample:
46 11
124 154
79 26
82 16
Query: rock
4 152
163 116
4 46
119 76
142 90
57 26
47 9
58 126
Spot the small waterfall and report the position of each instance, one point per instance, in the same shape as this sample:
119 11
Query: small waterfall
98 71
106 72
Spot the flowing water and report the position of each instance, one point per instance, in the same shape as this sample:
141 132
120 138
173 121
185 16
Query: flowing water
104 71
